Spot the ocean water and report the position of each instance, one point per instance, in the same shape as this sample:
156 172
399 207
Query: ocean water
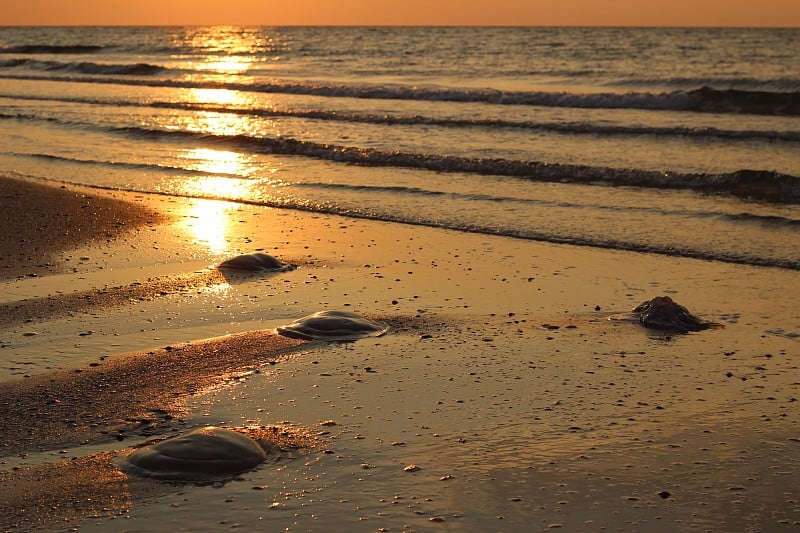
671 141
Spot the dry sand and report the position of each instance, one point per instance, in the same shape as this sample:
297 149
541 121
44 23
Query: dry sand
521 406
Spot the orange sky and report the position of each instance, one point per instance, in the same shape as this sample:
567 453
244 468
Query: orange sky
784 13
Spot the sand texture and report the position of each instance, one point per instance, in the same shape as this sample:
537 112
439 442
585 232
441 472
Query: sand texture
42 220
135 393
512 391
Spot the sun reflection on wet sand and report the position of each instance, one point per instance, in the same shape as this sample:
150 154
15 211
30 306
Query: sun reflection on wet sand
208 223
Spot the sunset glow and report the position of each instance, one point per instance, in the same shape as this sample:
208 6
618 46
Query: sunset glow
780 13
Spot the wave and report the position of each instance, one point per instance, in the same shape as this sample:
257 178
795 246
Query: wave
754 184
779 84
761 185
85 67
573 128
744 217
527 234
742 101
774 221
368 211
556 127
127 165
703 99
50 49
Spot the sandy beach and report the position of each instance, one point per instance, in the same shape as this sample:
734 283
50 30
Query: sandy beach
509 394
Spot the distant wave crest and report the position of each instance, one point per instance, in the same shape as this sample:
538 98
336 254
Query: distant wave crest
575 128
50 49
85 67
556 127
703 99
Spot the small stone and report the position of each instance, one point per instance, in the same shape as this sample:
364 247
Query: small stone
412 468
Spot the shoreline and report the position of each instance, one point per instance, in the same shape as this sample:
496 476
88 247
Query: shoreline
503 379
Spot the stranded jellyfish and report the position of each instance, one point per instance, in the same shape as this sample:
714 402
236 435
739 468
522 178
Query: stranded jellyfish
333 326
205 454
254 263
664 314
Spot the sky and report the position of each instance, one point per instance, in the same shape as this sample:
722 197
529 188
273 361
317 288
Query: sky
780 13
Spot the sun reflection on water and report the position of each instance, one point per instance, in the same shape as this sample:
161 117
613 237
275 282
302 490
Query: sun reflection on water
213 96
226 54
218 162
226 65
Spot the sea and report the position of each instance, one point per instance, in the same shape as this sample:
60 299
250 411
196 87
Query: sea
670 141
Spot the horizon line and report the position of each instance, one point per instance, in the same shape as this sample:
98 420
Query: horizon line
389 25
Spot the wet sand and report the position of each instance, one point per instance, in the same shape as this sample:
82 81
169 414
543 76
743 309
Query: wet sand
42 220
502 381
139 393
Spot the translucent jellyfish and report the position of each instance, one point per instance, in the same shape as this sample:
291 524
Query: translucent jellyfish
206 454
254 263
333 326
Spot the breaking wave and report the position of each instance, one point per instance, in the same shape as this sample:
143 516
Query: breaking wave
703 99
51 49
576 128
85 67
759 184
762 185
